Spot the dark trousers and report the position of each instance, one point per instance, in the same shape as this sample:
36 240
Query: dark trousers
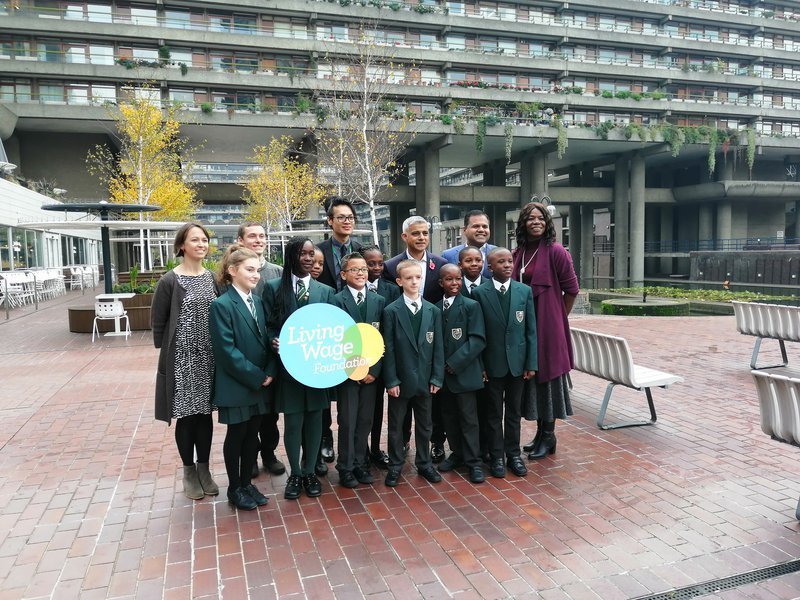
460 414
327 421
240 450
377 419
398 409
504 400
439 433
483 417
270 436
355 408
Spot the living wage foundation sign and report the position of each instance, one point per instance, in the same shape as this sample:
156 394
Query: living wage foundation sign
321 346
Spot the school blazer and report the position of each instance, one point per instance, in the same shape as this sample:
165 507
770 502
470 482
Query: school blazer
328 275
389 290
511 343
413 364
465 291
432 291
464 337
242 357
375 306
288 388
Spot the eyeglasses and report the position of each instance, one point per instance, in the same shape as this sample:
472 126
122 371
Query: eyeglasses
345 218
357 270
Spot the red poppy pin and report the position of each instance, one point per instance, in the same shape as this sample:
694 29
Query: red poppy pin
431 265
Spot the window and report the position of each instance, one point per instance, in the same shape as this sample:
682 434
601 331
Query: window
51 93
178 19
48 51
15 91
101 55
77 93
453 76
144 16
103 93
455 8
456 42
507 46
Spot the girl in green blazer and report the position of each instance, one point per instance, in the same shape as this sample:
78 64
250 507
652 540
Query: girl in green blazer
245 368
301 405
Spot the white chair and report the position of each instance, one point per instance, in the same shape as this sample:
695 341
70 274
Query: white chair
110 311
75 278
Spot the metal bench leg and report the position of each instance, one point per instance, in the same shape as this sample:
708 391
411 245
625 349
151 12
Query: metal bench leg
757 348
604 406
797 512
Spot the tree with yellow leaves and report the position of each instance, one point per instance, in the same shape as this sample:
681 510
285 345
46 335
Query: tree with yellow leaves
282 189
148 167
364 133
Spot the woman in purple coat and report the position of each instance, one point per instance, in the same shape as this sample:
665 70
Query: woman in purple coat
546 266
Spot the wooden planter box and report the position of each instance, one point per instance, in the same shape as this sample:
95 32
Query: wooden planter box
138 307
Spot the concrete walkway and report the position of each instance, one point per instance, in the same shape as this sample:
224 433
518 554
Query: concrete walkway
91 507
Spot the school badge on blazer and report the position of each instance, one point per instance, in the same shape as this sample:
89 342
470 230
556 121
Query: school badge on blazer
429 337
376 325
456 333
520 316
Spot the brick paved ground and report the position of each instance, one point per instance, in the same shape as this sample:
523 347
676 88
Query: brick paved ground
90 502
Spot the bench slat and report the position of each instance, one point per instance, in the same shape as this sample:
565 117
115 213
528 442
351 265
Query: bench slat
779 402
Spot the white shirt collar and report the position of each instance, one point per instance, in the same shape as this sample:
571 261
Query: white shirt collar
497 284
373 285
356 292
447 301
243 295
467 282
424 258
408 301
306 280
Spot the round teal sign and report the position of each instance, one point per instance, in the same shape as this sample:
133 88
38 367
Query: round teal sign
321 346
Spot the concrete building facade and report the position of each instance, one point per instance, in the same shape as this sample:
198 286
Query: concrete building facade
656 128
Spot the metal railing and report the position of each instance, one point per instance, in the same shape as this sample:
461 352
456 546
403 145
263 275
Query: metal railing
719 245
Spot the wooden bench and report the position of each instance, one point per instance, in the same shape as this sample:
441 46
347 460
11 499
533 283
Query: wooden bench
774 321
609 357
779 402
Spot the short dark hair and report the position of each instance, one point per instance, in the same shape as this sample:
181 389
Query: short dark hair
348 257
332 201
241 231
474 213
180 236
369 248
467 249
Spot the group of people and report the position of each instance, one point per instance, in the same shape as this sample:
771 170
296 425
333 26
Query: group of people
475 340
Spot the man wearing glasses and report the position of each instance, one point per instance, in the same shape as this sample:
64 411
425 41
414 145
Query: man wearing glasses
342 221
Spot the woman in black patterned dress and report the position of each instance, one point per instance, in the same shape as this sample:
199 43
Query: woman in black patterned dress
184 382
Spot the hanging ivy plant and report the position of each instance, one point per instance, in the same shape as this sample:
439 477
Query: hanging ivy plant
603 128
751 151
459 125
712 152
674 136
508 132
480 134
562 140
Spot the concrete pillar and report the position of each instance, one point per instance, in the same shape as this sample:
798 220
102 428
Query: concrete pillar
705 225
621 192
494 173
525 178
725 170
586 274
587 175
497 224
666 238
724 221
419 190
397 215
431 192
540 173
637 221
575 176
575 237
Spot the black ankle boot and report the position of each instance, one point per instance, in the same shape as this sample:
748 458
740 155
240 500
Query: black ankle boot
547 445
536 439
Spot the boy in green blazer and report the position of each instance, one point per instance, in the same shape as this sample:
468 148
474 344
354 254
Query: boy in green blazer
356 399
413 369
509 359
470 261
464 340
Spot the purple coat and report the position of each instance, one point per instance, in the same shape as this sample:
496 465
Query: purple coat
552 275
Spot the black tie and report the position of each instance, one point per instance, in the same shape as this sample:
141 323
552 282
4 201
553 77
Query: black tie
252 308
414 307
301 289
359 298
472 286
502 289
446 305
343 251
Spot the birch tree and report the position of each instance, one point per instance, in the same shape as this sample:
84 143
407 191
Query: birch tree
282 189
148 167
364 134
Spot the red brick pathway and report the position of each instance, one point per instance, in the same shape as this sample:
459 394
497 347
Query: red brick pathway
90 501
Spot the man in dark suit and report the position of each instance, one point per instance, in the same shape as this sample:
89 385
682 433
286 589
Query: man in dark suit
413 370
416 235
342 220
476 234
464 340
252 235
